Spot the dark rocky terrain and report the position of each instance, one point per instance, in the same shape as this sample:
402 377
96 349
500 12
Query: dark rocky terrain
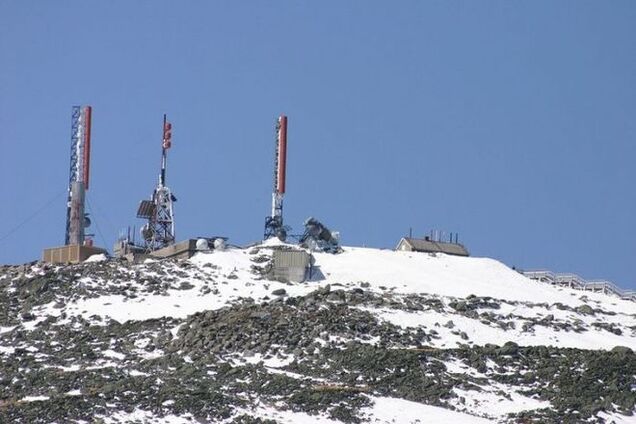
320 353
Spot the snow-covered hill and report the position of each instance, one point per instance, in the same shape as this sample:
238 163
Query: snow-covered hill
374 336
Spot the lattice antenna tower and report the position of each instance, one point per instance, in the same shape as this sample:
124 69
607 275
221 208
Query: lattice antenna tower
159 231
76 219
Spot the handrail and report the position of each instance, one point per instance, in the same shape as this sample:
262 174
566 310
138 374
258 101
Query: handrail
577 282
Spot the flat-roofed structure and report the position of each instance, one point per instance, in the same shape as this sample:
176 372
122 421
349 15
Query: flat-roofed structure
182 250
71 254
409 244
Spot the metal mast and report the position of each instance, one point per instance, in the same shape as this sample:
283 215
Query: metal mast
76 219
274 223
159 232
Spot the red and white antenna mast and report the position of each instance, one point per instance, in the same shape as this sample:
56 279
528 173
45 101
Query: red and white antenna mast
274 223
76 219
159 231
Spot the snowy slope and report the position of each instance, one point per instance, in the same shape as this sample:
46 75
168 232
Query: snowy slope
446 310
397 273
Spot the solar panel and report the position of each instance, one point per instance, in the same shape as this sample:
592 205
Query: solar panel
146 209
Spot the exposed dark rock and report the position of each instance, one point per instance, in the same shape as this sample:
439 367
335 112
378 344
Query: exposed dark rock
339 351
585 310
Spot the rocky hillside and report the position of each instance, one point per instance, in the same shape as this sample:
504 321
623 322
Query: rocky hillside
376 336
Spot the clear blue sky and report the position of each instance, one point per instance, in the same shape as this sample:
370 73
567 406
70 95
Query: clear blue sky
512 123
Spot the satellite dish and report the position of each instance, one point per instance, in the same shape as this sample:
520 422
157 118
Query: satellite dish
219 244
281 234
202 244
87 222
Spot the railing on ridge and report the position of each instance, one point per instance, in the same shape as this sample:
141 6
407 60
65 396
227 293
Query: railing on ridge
576 282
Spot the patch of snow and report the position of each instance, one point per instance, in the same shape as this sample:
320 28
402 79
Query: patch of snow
30 325
616 418
34 398
278 361
283 416
97 258
294 375
157 353
71 368
175 330
7 350
6 329
142 343
275 241
102 364
480 333
139 415
115 355
489 402
393 410
447 275
230 276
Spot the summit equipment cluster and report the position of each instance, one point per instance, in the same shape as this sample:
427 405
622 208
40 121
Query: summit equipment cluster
158 237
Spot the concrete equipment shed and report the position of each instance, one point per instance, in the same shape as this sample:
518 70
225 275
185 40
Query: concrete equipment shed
291 265
409 244
71 254
182 250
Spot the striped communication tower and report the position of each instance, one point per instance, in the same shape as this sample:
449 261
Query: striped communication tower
158 232
76 219
274 223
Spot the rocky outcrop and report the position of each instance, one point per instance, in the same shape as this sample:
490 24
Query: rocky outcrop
327 351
